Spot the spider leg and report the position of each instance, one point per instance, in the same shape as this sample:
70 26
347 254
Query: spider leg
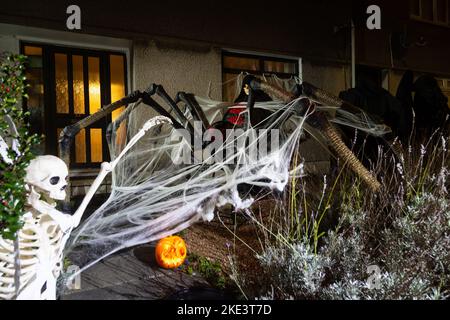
194 108
320 121
159 90
250 109
69 132
148 100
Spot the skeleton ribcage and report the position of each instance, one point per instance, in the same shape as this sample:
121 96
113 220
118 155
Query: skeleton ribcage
33 237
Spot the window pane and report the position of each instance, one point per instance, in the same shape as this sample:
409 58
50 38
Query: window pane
58 133
62 90
96 145
118 92
441 10
117 81
230 90
277 66
80 147
78 85
427 9
241 63
32 51
94 84
414 7
448 12
35 102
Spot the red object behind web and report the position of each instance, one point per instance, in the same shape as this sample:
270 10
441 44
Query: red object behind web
235 116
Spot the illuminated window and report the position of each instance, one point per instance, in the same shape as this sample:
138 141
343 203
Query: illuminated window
444 84
78 85
61 84
94 84
235 63
117 72
35 101
66 85
80 147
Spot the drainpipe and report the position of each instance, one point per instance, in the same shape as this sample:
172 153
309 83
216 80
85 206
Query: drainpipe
352 31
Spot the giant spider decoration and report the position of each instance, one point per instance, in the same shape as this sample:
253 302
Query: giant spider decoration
305 98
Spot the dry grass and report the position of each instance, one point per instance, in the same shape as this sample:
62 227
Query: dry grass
318 240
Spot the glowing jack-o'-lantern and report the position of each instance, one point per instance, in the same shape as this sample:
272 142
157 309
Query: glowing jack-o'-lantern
170 252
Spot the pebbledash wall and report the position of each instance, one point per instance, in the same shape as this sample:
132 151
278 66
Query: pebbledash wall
195 69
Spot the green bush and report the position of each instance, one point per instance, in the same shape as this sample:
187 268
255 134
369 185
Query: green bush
210 270
12 186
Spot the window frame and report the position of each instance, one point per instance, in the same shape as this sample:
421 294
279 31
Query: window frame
261 59
444 85
61 120
420 17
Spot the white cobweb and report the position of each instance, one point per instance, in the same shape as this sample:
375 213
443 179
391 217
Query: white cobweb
153 197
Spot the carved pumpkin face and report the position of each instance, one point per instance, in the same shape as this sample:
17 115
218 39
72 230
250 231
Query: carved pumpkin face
170 252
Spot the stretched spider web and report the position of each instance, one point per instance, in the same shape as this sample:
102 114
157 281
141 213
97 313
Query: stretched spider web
155 193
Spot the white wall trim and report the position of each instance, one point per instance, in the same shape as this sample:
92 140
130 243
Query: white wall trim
68 39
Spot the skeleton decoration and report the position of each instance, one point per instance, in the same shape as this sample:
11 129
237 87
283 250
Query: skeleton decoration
46 230
43 235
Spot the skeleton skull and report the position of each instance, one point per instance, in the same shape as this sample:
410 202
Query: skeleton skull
48 174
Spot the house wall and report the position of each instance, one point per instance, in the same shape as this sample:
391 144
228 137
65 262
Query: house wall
299 28
333 78
8 43
383 48
187 67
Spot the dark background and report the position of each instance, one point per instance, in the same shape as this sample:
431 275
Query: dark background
311 29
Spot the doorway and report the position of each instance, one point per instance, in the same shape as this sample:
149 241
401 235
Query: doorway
67 84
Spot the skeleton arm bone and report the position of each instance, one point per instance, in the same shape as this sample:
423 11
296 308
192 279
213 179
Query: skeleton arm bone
12 128
4 151
14 145
108 167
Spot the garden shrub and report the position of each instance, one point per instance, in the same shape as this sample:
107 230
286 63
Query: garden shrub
403 232
13 191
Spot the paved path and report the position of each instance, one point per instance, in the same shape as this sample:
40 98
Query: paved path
131 274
